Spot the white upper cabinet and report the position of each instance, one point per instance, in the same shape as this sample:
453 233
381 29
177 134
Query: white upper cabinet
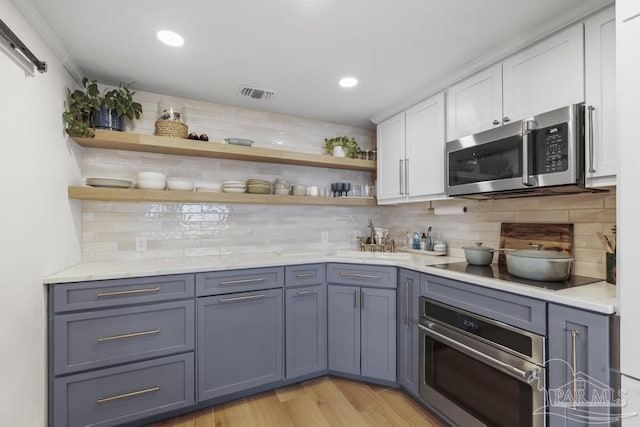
628 10
545 76
425 142
540 78
411 154
600 98
475 104
391 154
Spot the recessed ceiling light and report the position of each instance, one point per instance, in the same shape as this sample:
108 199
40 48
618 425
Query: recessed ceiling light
170 38
348 82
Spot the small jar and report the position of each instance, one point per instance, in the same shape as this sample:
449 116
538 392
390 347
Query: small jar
439 246
168 110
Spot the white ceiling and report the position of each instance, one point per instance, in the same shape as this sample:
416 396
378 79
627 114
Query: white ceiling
400 50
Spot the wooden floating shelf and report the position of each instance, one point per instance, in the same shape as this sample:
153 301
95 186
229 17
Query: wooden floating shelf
186 147
166 196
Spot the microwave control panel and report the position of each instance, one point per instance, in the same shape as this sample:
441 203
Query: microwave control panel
552 147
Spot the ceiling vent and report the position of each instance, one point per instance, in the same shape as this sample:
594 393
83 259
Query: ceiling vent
255 93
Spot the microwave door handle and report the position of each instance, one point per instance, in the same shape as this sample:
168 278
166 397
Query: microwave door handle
526 133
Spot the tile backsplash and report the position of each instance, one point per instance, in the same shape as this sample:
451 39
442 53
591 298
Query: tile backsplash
110 229
589 213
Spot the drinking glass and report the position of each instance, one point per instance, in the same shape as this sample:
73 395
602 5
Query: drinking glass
347 188
334 188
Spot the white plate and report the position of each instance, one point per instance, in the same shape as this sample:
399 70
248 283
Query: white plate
233 190
109 182
231 182
239 141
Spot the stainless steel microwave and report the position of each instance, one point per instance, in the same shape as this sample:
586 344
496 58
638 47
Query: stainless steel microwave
543 154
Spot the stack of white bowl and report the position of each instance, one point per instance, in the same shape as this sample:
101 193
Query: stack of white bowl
281 187
299 190
151 181
179 184
234 186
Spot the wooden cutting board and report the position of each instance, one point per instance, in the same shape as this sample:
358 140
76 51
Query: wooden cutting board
554 237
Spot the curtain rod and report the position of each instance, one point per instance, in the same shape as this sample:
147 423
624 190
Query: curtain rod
15 43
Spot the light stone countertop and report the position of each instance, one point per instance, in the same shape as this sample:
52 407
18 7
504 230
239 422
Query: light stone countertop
599 297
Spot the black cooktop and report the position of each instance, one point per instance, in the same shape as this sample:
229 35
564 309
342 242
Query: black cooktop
496 271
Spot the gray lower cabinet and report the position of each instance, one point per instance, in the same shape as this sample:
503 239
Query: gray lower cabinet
407 329
240 342
306 330
362 331
125 393
579 367
120 350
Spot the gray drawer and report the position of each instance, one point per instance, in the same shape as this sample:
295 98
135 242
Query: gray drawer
116 395
362 275
111 293
516 310
224 282
96 339
304 275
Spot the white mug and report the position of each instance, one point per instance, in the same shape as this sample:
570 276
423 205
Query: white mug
312 191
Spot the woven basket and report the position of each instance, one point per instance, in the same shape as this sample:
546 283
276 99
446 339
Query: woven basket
173 128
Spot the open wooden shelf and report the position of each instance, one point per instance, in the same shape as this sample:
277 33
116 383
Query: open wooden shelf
166 196
186 147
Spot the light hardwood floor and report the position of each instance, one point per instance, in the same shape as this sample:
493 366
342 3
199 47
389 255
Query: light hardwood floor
320 402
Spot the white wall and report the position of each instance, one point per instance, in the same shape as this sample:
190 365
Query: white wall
40 226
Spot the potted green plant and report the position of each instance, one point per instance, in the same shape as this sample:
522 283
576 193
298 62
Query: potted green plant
342 146
89 109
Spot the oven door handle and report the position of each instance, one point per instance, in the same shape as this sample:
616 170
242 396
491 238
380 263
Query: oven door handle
519 374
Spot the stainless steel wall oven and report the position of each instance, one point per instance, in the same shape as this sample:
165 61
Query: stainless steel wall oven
477 371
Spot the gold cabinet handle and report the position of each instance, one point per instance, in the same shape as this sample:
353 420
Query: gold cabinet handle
242 281
129 292
309 292
247 298
574 367
355 298
301 275
131 335
125 395
360 276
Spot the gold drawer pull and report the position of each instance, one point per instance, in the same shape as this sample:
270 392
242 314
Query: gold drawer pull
239 282
125 395
301 275
247 298
310 292
132 291
361 276
131 335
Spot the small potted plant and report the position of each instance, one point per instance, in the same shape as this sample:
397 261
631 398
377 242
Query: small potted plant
342 146
89 109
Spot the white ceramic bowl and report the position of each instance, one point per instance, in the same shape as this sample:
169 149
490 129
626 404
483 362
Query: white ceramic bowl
179 184
157 176
151 184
